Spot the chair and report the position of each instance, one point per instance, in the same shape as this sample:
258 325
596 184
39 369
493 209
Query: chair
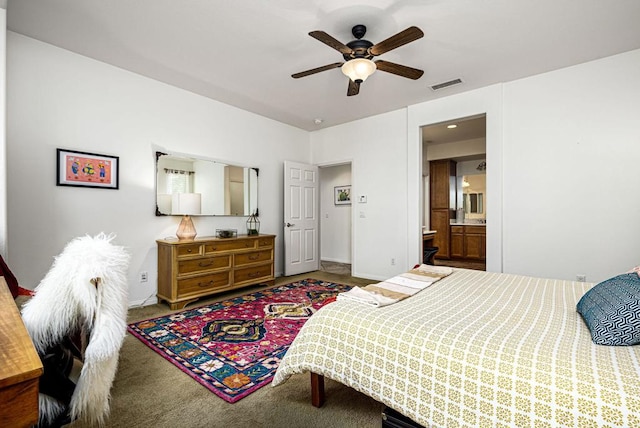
77 320
428 253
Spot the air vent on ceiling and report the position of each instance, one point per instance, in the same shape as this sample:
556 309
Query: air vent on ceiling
445 84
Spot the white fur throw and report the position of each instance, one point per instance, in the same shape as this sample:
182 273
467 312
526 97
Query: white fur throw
67 300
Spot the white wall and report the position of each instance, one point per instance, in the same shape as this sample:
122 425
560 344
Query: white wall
572 170
3 143
335 220
562 168
377 148
562 154
59 99
485 100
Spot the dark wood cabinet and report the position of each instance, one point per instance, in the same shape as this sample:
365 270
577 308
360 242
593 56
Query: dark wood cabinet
468 242
474 242
440 223
442 176
457 241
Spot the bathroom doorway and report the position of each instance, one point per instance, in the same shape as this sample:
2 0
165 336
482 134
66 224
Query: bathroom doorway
454 212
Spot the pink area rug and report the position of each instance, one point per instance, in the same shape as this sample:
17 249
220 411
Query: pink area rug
233 347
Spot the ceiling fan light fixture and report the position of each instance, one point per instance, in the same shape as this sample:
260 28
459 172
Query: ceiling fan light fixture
358 69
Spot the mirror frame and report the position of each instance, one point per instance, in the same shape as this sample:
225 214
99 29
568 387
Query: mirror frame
158 154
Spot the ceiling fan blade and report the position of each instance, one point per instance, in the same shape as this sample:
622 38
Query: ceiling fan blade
400 70
400 39
316 70
354 88
331 42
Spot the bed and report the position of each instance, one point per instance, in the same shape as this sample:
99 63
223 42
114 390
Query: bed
475 349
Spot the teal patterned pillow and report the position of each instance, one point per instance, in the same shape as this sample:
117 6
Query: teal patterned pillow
611 310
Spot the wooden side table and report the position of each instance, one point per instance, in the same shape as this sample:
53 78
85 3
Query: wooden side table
20 366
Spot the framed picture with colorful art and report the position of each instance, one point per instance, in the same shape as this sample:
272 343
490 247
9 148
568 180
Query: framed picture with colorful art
82 169
342 195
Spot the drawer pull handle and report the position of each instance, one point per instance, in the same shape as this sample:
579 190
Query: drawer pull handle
254 274
206 284
254 257
201 264
189 250
214 248
248 244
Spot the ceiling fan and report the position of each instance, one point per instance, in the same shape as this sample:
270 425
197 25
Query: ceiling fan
358 55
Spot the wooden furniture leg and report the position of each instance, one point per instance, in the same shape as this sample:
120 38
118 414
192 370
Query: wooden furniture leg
317 390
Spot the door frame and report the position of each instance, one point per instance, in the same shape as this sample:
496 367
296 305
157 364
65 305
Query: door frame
489 101
353 208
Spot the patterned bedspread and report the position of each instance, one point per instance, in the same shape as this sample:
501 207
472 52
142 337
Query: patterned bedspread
475 349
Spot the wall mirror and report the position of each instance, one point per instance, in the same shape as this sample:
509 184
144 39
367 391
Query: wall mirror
473 193
224 189
473 203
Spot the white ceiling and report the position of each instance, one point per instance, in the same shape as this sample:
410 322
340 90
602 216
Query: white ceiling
243 53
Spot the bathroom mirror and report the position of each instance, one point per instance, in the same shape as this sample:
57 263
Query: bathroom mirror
472 194
473 203
224 189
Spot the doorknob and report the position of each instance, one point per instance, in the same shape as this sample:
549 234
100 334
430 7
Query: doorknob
289 224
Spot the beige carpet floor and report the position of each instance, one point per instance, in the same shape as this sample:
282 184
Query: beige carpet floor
149 391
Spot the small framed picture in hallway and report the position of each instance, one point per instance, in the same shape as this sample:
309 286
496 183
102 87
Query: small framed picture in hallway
342 195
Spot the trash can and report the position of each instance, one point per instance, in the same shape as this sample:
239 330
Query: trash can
428 253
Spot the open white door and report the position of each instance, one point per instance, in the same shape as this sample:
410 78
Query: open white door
301 246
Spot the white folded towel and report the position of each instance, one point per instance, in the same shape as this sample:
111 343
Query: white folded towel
360 295
396 288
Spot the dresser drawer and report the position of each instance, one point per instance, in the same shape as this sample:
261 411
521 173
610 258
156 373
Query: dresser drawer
266 241
479 230
189 250
201 284
203 264
253 273
254 257
242 244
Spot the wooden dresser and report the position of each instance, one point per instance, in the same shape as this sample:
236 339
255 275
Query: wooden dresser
20 366
188 270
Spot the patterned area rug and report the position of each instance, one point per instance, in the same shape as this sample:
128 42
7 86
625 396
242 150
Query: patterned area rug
234 347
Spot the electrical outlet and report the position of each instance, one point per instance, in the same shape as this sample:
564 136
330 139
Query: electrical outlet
581 277
393 262
144 276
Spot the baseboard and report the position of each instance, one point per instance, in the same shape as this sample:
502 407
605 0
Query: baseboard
329 259
151 300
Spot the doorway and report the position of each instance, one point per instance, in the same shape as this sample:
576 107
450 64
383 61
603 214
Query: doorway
454 211
335 218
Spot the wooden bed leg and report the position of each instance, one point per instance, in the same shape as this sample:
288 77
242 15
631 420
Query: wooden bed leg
317 390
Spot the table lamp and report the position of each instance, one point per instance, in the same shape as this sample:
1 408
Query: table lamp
186 204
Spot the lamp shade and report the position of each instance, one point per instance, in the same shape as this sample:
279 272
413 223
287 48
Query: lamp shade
186 203
358 69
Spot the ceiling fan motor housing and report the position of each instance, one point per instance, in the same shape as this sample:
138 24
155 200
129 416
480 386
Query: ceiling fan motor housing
360 47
